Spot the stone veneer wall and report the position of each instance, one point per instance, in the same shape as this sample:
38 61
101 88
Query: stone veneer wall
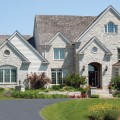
68 63
111 41
12 60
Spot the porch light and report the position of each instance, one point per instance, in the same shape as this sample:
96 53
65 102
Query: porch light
106 68
83 68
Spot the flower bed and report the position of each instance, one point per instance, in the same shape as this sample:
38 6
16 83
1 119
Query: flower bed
104 112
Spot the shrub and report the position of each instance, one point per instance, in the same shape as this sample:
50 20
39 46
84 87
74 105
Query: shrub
37 81
36 95
104 112
74 80
115 82
95 96
8 93
56 87
2 89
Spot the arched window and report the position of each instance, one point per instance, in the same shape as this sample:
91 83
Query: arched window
8 74
111 28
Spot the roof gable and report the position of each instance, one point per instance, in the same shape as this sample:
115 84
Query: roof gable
97 20
60 35
21 56
81 51
29 45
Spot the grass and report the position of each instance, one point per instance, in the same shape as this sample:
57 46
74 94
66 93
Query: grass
76 109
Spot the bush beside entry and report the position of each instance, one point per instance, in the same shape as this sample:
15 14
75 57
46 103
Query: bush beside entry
74 80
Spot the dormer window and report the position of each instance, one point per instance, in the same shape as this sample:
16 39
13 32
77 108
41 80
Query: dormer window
110 28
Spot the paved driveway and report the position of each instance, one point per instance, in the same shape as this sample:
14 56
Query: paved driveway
23 109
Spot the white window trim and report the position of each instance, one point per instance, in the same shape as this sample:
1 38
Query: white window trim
107 29
8 83
56 82
59 54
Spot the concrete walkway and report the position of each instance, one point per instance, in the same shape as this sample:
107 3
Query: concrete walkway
24 109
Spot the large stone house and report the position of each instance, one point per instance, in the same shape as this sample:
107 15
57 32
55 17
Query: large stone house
88 45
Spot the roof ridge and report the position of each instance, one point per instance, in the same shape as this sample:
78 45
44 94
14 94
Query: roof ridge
65 16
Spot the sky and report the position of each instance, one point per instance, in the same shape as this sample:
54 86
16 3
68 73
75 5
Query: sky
19 14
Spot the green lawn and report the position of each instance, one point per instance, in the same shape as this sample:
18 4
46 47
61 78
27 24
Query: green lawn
76 109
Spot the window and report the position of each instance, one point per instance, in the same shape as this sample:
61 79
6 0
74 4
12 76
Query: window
118 50
57 75
7 74
94 49
59 53
6 52
111 28
116 72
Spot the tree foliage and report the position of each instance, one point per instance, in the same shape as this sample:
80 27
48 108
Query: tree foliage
37 81
115 82
74 80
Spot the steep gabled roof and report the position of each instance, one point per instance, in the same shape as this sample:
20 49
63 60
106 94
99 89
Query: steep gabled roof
29 45
96 20
81 51
62 36
69 26
4 37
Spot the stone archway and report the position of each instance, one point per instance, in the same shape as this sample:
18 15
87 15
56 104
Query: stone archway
95 74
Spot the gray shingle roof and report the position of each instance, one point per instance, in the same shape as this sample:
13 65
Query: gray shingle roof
4 37
117 64
70 26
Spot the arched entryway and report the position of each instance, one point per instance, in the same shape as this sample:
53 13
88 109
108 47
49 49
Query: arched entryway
94 74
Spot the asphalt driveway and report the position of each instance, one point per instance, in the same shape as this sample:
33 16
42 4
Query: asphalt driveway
24 109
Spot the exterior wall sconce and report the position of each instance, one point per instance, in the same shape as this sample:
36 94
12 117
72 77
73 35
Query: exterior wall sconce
106 68
83 68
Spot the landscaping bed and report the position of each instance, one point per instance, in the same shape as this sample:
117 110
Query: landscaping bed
77 109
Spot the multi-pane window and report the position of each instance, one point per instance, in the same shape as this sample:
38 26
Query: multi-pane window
116 72
7 74
57 75
59 53
111 28
118 50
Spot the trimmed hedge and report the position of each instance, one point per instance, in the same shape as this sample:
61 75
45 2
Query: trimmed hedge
35 95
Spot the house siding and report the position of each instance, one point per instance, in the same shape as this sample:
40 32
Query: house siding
109 40
12 60
67 63
35 61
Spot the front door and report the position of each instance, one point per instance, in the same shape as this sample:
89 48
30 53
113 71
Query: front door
94 74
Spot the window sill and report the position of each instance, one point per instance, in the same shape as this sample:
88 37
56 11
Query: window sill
59 59
8 83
